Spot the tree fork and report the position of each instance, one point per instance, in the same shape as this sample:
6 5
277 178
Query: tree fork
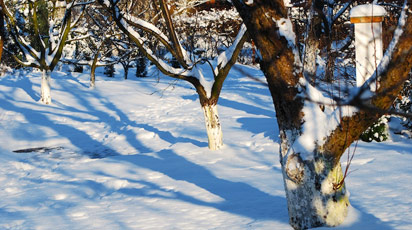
391 82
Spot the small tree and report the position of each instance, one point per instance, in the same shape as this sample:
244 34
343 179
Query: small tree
48 38
185 68
316 129
93 43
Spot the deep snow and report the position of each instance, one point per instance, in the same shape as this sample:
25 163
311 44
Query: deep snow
132 154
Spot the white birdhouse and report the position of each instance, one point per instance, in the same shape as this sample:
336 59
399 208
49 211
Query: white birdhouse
368 39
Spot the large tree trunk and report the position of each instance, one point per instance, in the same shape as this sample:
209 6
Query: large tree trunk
45 87
314 184
213 127
315 189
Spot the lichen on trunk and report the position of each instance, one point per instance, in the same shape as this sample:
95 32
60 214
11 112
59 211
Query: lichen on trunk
315 195
213 127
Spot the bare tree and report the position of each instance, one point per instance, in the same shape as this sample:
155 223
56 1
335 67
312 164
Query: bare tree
184 67
42 49
316 129
96 42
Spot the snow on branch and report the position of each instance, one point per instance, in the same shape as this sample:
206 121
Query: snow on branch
122 20
140 41
341 11
49 55
285 27
31 55
188 70
154 31
321 117
180 54
397 34
227 55
147 26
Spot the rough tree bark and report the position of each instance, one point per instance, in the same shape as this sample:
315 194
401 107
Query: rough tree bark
213 128
313 179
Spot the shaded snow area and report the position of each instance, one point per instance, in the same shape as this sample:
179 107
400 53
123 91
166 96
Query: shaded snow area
132 154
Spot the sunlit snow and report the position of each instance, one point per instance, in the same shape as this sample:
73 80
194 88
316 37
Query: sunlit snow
121 157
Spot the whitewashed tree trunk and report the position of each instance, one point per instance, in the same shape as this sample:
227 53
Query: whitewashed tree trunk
45 87
213 127
313 193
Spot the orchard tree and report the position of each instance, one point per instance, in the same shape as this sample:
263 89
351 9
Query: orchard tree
316 129
182 65
40 33
94 44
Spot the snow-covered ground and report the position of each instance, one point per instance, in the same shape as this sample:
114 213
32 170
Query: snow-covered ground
132 154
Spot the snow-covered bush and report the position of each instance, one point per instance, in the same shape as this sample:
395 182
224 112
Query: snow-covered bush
404 103
4 70
377 132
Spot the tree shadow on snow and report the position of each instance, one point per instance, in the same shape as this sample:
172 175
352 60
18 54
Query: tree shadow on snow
23 83
238 198
255 125
401 147
8 216
246 107
169 137
77 137
117 126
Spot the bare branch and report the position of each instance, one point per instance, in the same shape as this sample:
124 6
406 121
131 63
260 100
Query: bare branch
172 33
180 73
